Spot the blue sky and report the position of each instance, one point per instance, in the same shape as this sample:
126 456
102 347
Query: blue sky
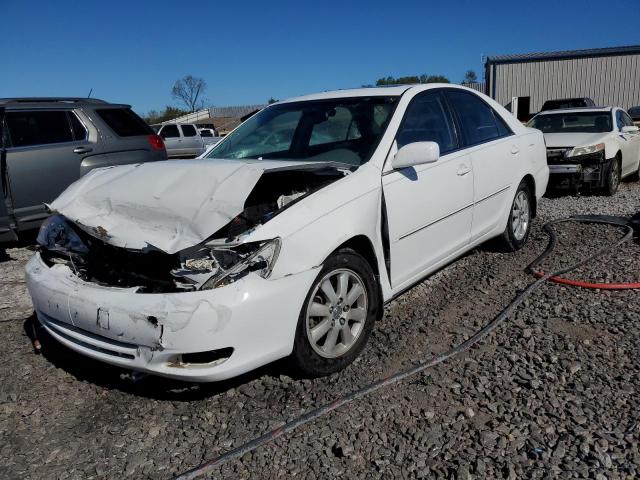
247 51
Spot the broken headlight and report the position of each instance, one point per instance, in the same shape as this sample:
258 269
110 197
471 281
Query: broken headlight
56 235
588 150
219 265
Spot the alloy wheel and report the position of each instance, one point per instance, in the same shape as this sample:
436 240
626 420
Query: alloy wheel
336 313
520 215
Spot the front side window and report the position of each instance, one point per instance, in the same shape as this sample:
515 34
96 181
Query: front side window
343 130
626 119
574 122
27 128
479 122
619 120
428 119
188 130
170 131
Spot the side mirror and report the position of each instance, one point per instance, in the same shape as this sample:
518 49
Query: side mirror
630 129
416 153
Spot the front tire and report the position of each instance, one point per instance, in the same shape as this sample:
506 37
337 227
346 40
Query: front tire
519 225
337 315
612 180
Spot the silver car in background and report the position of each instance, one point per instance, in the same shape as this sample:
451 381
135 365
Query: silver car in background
182 140
46 144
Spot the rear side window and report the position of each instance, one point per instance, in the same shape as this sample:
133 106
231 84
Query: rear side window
205 133
428 120
479 122
26 128
188 130
170 131
124 122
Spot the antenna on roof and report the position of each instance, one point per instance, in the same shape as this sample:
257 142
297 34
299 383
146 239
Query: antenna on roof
90 91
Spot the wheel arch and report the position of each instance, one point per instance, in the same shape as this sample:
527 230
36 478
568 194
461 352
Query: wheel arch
363 245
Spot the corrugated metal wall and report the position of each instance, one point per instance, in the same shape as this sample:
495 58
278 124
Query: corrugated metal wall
613 80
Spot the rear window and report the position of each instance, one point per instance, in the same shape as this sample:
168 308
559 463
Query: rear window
188 130
25 128
124 122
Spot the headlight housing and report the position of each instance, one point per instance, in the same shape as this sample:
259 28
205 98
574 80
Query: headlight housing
218 265
588 150
56 235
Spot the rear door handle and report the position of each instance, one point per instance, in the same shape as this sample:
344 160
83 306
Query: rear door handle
463 170
515 150
82 150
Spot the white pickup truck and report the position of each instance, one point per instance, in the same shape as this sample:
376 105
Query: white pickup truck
182 140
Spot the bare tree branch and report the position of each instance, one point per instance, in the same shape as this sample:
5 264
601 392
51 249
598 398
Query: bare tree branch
189 90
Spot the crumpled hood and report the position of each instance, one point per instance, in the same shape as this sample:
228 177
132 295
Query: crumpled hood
574 139
169 205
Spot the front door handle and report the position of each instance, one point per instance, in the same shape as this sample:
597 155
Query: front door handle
463 170
515 150
82 150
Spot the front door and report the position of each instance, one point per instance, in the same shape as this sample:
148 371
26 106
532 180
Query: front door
44 154
172 140
429 207
630 143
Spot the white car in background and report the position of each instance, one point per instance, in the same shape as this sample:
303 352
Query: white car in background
590 146
287 239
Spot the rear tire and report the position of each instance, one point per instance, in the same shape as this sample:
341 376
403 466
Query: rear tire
519 225
612 180
337 316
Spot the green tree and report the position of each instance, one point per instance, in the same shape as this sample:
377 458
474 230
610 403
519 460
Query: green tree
272 100
411 79
470 77
169 113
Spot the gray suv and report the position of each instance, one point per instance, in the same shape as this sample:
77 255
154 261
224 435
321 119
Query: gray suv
48 143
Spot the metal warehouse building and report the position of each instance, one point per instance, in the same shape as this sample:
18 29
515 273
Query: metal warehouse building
610 76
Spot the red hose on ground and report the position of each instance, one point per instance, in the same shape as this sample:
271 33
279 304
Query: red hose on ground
595 286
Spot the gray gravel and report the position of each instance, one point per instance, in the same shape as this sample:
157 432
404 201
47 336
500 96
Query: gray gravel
551 394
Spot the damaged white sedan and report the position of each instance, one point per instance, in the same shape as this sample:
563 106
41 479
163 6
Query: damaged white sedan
287 239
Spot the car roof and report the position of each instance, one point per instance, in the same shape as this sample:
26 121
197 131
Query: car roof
56 102
577 110
389 91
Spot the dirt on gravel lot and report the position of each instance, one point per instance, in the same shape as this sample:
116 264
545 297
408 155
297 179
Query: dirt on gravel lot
552 393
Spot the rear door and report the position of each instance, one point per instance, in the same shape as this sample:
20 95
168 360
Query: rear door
191 140
494 152
6 232
43 155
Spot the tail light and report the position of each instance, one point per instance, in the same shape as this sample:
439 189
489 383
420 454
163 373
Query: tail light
156 142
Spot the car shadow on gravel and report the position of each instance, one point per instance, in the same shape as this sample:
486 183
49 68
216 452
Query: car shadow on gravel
110 377
27 239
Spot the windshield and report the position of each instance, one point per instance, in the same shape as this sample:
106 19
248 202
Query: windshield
343 130
581 122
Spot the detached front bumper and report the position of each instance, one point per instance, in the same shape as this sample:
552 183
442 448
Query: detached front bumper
256 318
592 173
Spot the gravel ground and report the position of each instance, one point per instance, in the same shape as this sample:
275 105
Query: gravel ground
551 394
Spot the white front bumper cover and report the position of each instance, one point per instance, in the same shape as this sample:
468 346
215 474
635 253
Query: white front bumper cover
150 332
